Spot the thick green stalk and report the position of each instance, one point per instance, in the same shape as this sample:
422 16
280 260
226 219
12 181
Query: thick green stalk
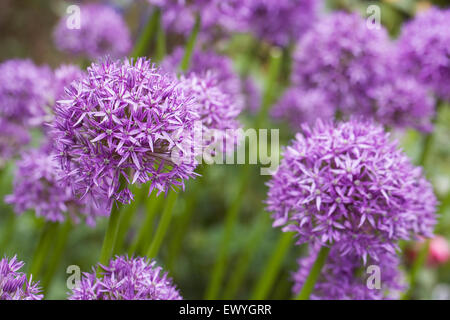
314 273
163 225
189 49
43 248
61 241
272 268
143 42
146 229
111 234
160 42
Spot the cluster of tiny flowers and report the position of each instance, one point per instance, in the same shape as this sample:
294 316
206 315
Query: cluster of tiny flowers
299 107
125 122
349 186
14 284
25 90
64 76
346 277
280 22
126 279
102 31
423 49
38 186
344 59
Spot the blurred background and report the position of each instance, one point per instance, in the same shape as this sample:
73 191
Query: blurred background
190 247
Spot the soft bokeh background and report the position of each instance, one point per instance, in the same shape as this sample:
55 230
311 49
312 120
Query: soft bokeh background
26 31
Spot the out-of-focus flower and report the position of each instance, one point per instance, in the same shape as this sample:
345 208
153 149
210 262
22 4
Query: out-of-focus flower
299 107
126 279
342 57
102 32
423 49
349 186
347 277
439 251
124 121
252 94
14 284
38 186
64 76
25 90
13 137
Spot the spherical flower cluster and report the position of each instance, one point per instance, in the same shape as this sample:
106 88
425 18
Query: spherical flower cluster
38 186
349 186
13 137
403 102
346 277
126 279
281 22
124 123
344 59
64 76
423 48
25 90
299 107
14 284
102 31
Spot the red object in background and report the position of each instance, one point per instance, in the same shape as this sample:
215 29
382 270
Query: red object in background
439 252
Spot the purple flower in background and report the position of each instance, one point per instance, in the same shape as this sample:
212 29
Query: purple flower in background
344 59
38 186
424 50
102 32
127 279
13 137
14 284
299 107
25 91
282 21
124 121
64 76
402 102
346 277
349 186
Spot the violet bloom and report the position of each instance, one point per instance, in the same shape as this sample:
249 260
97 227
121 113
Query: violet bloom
342 57
64 76
281 22
299 107
38 186
102 32
126 279
125 121
14 284
423 48
13 137
25 91
347 277
349 186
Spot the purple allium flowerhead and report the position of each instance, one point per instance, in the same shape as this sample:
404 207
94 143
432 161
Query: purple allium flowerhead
125 121
25 91
39 186
102 32
347 277
14 284
344 58
127 279
349 186
424 50
281 22
64 76
299 107
13 138
403 102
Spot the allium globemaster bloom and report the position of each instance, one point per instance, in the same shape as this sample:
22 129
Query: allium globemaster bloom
347 277
126 279
39 186
102 32
14 284
349 186
423 49
125 121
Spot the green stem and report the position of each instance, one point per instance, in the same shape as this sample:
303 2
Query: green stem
314 273
273 266
146 230
62 237
160 42
415 268
146 35
163 225
110 236
190 45
43 248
